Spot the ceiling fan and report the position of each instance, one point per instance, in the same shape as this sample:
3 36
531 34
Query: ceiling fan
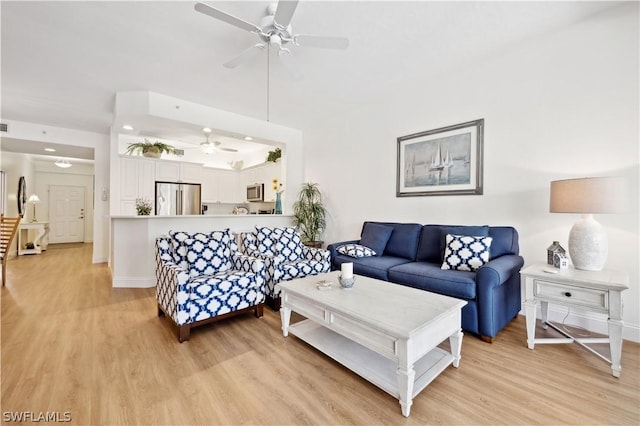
274 31
211 147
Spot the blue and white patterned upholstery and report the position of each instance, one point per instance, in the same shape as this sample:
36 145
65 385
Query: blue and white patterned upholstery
200 276
355 250
285 256
466 253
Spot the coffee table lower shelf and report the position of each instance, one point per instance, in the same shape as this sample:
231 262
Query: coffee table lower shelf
377 369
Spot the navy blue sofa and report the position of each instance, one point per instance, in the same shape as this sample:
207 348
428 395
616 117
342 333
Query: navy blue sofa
413 256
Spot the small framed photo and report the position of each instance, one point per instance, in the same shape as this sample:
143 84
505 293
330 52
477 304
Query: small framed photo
444 161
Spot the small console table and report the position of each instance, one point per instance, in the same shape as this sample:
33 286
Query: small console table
595 291
40 241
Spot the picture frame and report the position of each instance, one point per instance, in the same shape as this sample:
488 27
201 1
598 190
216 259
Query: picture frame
443 161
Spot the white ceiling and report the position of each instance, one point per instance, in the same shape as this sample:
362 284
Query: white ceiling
63 62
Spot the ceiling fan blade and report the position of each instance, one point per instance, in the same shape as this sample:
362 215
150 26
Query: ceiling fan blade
290 64
229 19
284 13
245 56
321 41
228 149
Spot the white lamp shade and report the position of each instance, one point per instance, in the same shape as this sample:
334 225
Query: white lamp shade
33 199
588 195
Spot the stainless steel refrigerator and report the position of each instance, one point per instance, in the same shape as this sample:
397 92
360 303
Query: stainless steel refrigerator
174 198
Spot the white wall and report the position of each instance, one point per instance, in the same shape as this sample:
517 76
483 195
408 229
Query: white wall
15 166
100 144
48 174
559 106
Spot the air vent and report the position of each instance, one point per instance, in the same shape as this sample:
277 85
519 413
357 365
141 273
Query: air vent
3 127
179 152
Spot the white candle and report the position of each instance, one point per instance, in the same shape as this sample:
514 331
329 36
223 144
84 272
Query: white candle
347 270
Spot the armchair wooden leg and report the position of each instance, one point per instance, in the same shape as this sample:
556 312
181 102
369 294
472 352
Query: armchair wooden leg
259 310
183 332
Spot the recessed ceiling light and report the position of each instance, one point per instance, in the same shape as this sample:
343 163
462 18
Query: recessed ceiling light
206 130
50 150
127 127
248 138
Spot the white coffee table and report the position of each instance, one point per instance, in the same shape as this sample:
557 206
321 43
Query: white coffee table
384 332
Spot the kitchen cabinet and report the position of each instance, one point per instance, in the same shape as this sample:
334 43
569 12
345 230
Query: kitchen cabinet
137 179
220 186
264 173
172 171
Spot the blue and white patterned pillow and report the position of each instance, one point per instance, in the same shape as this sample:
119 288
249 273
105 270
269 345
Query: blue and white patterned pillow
280 241
208 254
355 250
466 253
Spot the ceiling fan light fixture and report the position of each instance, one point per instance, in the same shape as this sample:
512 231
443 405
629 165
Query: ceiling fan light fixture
62 163
208 147
206 130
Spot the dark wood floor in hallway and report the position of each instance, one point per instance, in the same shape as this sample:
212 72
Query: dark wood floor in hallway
71 343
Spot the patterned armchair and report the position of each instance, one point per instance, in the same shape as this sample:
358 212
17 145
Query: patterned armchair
201 277
285 257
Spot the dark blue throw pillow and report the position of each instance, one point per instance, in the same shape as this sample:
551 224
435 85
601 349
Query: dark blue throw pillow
376 237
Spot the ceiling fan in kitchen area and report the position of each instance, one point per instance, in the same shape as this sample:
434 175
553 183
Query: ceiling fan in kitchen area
212 147
274 31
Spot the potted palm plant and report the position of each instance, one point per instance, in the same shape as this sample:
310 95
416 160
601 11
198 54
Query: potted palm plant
309 214
150 149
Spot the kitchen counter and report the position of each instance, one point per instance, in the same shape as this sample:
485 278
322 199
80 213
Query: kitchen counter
132 248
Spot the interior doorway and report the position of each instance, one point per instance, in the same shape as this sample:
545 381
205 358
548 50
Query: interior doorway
66 214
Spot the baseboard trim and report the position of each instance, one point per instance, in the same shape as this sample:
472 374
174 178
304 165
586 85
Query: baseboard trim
127 282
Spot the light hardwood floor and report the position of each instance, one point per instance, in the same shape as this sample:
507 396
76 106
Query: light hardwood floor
71 343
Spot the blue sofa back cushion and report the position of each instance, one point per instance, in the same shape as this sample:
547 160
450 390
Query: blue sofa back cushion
375 236
505 241
403 241
432 239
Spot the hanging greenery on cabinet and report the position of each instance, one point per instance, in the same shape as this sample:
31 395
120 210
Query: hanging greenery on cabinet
150 149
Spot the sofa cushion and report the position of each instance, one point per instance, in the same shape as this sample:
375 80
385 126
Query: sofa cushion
179 250
403 241
466 253
208 254
279 241
221 283
428 276
374 266
375 236
355 250
505 241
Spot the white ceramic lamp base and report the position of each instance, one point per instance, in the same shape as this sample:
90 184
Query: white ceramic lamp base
588 245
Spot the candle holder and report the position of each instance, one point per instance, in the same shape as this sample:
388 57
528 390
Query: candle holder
346 283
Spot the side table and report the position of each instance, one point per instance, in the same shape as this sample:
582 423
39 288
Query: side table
594 291
40 240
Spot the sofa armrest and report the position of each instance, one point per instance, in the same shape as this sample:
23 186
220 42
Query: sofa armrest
247 263
498 271
334 247
172 290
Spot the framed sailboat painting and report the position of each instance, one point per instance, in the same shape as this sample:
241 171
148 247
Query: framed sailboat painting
444 161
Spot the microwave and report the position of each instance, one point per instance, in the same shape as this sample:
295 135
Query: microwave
255 192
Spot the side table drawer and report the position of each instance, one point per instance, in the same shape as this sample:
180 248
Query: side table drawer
587 297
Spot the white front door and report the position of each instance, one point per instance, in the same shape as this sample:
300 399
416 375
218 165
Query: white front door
66 214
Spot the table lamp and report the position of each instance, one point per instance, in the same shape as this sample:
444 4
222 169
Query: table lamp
588 246
34 199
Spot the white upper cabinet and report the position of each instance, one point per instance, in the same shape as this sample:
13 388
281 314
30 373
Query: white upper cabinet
220 186
137 179
171 171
